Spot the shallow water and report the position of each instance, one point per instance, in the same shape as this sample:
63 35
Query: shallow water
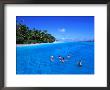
35 59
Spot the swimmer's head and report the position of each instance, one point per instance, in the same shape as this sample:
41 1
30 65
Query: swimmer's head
51 56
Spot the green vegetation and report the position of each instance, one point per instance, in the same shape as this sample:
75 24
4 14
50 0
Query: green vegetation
26 36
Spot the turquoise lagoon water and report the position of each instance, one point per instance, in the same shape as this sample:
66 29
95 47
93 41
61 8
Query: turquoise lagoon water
35 59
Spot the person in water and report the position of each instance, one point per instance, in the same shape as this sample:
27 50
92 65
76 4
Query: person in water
68 56
80 63
61 58
52 58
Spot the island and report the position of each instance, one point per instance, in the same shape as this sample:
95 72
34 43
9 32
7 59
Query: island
25 35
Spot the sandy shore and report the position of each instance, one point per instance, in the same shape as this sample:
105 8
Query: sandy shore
35 44
28 44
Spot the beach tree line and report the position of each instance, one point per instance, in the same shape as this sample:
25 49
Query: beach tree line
26 36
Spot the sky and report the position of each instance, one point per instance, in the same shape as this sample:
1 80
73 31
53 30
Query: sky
74 28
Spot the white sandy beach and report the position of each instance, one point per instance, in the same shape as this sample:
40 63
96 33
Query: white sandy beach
28 44
38 44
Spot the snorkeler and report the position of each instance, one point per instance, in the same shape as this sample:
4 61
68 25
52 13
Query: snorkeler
80 63
68 56
60 57
52 58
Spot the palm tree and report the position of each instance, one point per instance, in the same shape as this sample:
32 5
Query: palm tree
24 35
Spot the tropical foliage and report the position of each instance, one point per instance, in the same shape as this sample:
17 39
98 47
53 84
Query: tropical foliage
26 36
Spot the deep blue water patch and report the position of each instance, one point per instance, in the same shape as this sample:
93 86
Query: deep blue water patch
35 59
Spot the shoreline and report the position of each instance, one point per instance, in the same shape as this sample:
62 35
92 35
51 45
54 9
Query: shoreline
28 44
34 44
